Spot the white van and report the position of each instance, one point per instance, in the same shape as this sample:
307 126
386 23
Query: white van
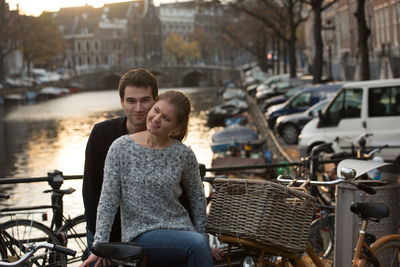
371 107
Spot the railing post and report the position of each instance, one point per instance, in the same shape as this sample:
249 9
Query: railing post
56 179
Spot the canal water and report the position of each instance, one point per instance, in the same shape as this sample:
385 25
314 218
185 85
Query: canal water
40 137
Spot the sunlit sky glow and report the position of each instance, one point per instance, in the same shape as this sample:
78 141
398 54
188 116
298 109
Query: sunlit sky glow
36 7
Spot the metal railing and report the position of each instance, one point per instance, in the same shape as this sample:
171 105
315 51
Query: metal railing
55 175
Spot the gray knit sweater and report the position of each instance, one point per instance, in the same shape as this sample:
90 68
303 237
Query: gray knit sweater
146 184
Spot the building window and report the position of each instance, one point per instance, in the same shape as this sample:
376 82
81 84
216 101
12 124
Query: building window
387 25
96 46
97 60
88 60
377 28
394 20
382 27
79 46
87 46
79 61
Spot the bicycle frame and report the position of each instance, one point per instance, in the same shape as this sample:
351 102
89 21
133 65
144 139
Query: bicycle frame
271 250
29 254
358 260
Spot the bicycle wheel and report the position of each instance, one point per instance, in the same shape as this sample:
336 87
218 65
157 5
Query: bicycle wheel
388 254
322 236
17 236
75 230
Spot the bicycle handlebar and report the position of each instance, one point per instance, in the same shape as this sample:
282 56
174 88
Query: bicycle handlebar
64 250
373 151
36 247
287 179
366 188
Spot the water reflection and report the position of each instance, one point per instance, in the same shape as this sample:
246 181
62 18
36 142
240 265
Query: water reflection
35 139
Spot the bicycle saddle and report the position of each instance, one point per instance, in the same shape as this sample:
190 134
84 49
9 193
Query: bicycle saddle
370 210
117 250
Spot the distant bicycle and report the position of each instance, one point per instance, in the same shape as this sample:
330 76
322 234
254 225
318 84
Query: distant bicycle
18 234
31 258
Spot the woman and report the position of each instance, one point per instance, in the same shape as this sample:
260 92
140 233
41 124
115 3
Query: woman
143 174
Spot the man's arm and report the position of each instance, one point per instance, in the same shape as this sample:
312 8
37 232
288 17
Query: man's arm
93 177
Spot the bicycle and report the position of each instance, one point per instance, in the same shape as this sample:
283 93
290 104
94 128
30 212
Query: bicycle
17 237
130 253
322 230
62 229
279 256
238 254
30 258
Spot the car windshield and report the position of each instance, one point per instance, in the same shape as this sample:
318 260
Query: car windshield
293 91
313 111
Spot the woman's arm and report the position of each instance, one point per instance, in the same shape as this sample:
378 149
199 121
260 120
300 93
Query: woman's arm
110 195
193 187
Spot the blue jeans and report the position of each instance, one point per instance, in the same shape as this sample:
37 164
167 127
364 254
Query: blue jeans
176 248
89 239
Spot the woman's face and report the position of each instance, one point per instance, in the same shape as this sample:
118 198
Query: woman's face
161 119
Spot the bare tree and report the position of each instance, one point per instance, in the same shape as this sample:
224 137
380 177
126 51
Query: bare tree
363 34
318 6
40 39
247 33
282 17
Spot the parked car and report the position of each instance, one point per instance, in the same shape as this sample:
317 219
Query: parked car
371 107
275 100
290 126
267 84
280 88
301 101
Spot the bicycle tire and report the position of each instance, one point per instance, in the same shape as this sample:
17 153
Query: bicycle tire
322 236
388 254
75 231
18 235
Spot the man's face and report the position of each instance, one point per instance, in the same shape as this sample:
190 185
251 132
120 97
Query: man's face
136 104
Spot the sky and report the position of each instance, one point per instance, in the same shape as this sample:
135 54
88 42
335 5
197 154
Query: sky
36 7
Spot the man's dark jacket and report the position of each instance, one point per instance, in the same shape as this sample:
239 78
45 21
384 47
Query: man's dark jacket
100 140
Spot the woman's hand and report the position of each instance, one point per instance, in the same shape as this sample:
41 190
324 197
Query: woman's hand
98 260
217 253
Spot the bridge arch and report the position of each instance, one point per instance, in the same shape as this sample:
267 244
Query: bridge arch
193 77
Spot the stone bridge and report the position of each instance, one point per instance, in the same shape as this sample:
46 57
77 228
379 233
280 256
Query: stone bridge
167 77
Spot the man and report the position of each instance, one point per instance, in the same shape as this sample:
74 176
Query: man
138 89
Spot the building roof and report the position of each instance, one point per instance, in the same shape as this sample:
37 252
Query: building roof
75 20
186 4
123 9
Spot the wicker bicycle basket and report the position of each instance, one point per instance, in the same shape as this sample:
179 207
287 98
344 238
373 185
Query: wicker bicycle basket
264 211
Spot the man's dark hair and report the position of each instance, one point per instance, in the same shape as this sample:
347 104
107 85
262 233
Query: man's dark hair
138 78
